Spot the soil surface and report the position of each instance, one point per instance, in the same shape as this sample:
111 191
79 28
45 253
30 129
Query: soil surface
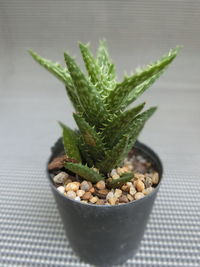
144 181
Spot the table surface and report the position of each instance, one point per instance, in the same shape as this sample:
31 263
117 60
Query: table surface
32 102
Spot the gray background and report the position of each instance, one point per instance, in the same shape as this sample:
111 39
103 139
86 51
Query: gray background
31 103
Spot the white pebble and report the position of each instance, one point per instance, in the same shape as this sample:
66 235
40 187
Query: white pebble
61 189
60 178
77 198
110 195
113 172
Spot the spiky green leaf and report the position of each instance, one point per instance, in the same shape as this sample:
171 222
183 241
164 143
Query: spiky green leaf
114 156
136 127
90 64
62 74
118 96
70 143
89 97
126 141
120 122
117 183
104 61
91 138
84 171
140 89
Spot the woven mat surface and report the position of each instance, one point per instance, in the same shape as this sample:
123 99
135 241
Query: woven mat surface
31 103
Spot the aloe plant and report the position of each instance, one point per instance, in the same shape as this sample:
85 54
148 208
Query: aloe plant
107 128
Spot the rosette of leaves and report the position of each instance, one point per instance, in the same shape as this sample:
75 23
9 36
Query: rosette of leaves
107 127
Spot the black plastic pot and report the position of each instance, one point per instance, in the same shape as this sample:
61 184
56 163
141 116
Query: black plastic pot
106 235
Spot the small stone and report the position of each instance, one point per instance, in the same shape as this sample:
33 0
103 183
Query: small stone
87 196
103 191
61 189
60 178
123 199
86 186
92 190
77 183
125 188
113 172
77 198
129 184
68 181
72 187
132 191
100 185
80 193
129 167
155 178
84 201
110 195
139 185
120 171
100 202
94 199
118 193
115 176
130 197
71 194
147 190
139 176
148 181
112 200
138 195
140 167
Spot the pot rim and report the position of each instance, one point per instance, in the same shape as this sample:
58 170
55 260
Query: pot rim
138 145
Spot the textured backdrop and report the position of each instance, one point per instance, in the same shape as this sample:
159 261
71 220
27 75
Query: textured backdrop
31 103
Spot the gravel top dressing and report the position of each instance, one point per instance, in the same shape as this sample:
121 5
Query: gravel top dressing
144 181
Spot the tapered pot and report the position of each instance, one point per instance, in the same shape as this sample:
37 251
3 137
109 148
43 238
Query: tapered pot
106 235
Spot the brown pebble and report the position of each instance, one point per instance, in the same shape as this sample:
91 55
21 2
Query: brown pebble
87 196
100 185
155 178
103 191
86 186
125 188
80 193
123 199
139 185
92 190
71 194
138 195
93 199
72 187
100 202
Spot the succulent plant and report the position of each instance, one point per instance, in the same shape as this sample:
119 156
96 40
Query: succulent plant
107 129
